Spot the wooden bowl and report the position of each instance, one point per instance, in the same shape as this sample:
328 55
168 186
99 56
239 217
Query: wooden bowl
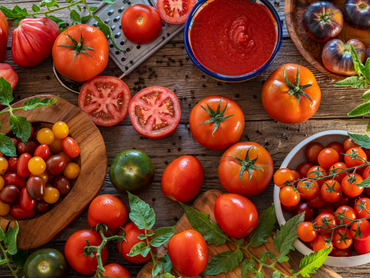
94 164
310 49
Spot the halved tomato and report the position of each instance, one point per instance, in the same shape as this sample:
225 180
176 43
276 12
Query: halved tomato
155 112
175 11
105 100
8 73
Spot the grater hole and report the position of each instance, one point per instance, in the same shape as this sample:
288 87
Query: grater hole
106 21
120 27
113 27
123 59
95 25
111 46
121 9
117 35
122 43
128 49
126 67
116 19
138 47
117 52
110 12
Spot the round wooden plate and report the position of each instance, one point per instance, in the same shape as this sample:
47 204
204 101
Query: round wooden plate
310 49
94 164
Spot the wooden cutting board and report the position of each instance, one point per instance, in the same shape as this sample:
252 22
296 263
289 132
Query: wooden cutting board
205 203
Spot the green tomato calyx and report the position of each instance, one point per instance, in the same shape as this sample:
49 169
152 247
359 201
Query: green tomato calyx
295 89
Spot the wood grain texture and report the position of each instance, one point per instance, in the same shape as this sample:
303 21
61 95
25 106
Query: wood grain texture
205 203
93 158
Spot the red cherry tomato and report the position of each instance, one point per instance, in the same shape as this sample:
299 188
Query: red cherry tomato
337 168
14 179
35 187
12 164
288 196
42 151
6 71
362 207
342 201
346 211
283 176
351 189
319 222
308 189
321 242
362 246
306 232
70 147
304 207
18 213
28 147
341 252
366 173
342 238
349 144
316 202
327 208
10 194
55 165
175 14
312 151
22 165
317 172
331 191
327 157
116 271
356 161
42 207
362 226
26 202
339 148
303 168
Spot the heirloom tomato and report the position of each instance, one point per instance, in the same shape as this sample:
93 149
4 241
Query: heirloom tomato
216 122
246 169
356 14
292 101
7 71
33 41
35 187
105 100
116 271
4 34
175 12
74 251
81 52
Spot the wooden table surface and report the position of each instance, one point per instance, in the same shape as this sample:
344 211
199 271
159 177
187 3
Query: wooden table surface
190 86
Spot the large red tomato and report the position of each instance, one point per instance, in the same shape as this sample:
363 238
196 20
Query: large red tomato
74 251
105 99
294 101
188 253
220 126
89 56
236 215
109 210
4 34
141 24
175 12
8 73
182 179
33 41
132 232
239 162
155 112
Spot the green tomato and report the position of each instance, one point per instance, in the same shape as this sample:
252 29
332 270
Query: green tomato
46 263
131 170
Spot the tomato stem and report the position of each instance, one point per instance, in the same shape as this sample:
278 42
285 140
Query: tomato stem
5 252
296 89
57 9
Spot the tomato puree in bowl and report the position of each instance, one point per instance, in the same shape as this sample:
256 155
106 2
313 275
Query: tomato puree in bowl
233 37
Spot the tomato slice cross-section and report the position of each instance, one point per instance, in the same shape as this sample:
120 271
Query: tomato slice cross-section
175 11
155 112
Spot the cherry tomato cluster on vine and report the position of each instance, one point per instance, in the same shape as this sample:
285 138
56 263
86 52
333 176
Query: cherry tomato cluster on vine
33 181
330 201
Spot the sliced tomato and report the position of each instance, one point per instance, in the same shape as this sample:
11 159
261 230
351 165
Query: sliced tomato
105 100
8 73
175 11
155 112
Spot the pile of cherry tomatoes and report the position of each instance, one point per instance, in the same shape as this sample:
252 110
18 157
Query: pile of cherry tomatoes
325 197
33 181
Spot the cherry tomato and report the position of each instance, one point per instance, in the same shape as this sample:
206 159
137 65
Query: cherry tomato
182 179
109 210
141 24
15 141
28 147
317 172
10 194
308 189
351 189
339 148
283 176
341 252
55 165
337 168
12 164
303 168
304 207
45 136
3 165
327 157
116 271
60 130
132 232
322 242
288 196
346 211
68 159
236 215
56 146
362 246
349 144
22 165
366 173
36 165
42 151
70 147
188 253
331 191
51 195
285 208
42 207
319 222
7 71
26 202
14 179
312 151
74 251
71 171
296 174
4 209
342 201
2 182
342 238
327 208
62 184
35 187
44 176
362 226
316 202
356 161
306 232
18 213
362 207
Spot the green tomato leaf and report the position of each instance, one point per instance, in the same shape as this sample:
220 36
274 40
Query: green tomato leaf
362 140
21 127
75 17
361 109
10 240
35 8
224 262
286 236
6 92
276 274
364 183
162 235
156 269
7 146
259 275
107 31
248 266
211 232
356 62
93 8
3 261
109 1
141 213
61 23
240 241
141 237
366 95
353 81
36 102
139 249
20 258
368 127
168 275
313 261
167 264
48 3
266 225
85 19
21 11
11 14
78 8
263 257
2 234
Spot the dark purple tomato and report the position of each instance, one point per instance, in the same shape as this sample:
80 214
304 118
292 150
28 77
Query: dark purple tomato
10 194
322 21
304 207
12 164
17 212
28 147
35 187
26 202
356 13
22 165
14 179
62 184
42 151
55 165
42 207
337 58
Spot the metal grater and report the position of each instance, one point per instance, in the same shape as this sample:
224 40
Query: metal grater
133 54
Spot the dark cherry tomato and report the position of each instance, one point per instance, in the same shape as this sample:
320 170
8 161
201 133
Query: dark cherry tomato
364 227
303 168
22 165
316 202
12 164
327 208
26 202
319 222
17 212
285 208
342 238
62 184
342 201
349 185
14 179
328 157
349 144
304 207
42 207
339 148
346 211
362 246
312 151
331 191
28 147
55 165
341 252
10 194
356 161
70 147
356 13
15 141
35 187
336 168
42 151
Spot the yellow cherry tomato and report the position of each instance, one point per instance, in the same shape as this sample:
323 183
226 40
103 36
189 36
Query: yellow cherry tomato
3 165
44 176
60 130
4 209
56 146
66 157
51 195
71 171
2 182
45 136
36 165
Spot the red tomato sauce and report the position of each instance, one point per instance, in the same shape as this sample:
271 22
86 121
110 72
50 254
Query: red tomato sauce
233 37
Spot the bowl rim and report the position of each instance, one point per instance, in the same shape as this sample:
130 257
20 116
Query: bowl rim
302 248
239 78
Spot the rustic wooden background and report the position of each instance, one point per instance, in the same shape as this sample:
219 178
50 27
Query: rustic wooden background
191 85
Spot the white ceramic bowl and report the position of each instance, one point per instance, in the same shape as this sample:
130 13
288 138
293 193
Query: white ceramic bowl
293 159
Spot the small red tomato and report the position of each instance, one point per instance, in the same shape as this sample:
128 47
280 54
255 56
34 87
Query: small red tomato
361 230
35 187
352 162
326 208
62 184
55 165
323 229
342 238
308 189
327 157
312 151
289 196
70 147
12 164
316 202
26 202
42 151
306 232
362 207
10 194
341 252
322 242
338 168
349 185
116 271
28 147
346 211
362 246
331 191
18 213
22 165
317 172
303 168
42 207
339 148
349 144
342 201
283 176
304 207
14 179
